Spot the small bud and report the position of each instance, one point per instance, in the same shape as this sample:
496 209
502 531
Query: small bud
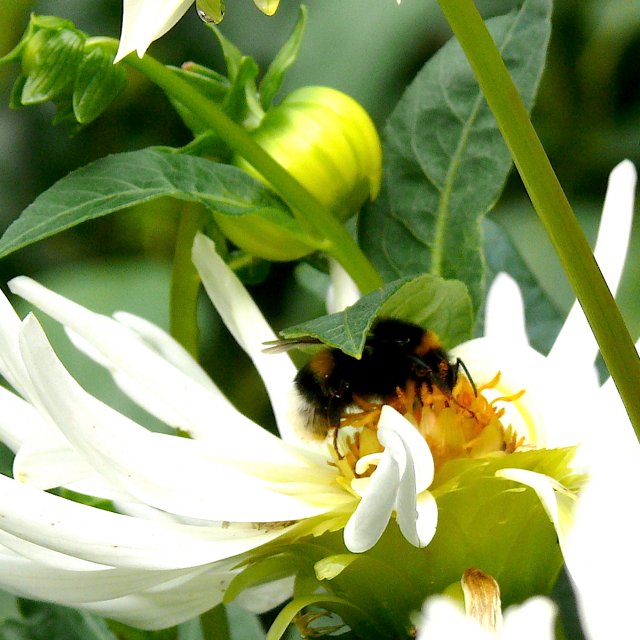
482 599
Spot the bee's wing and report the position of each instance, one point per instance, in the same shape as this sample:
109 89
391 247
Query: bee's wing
280 346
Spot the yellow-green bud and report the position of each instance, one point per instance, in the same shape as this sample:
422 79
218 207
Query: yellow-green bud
327 141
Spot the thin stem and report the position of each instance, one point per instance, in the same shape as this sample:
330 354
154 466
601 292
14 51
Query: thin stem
317 220
549 201
185 281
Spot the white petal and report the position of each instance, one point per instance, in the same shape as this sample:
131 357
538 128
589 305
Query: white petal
534 619
370 519
205 414
11 366
19 421
504 314
169 604
415 447
166 472
248 326
33 580
343 291
575 343
414 458
608 510
442 619
557 501
13 546
144 21
113 539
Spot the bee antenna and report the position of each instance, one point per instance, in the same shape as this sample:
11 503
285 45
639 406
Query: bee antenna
460 363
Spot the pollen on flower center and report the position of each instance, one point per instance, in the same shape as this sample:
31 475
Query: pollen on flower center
460 424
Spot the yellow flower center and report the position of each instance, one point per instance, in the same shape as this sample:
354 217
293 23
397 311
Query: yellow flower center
460 424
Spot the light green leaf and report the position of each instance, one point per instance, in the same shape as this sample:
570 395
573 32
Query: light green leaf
279 66
440 305
446 162
121 180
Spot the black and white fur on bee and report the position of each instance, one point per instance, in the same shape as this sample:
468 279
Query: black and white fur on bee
395 353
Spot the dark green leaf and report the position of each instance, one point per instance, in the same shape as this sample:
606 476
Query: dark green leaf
543 318
56 59
121 180
98 82
279 66
446 162
434 303
48 621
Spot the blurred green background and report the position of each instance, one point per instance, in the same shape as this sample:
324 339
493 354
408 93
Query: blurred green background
587 113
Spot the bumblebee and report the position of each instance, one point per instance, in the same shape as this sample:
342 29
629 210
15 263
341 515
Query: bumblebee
395 353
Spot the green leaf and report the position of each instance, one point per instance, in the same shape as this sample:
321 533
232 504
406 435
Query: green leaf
440 305
279 66
121 180
209 83
98 82
48 621
56 56
241 98
543 318
446 162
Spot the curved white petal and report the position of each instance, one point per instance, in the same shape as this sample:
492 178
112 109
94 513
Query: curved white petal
205 414
575 342
11 366
116 540
534 619
167 472
144 21
342 292
370 519
19 421
557 501
443 619
504 312
608 509
403 441
73 587
168 604
414 446
248 326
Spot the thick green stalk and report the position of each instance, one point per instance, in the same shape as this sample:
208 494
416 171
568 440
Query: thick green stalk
550 202
319 221
185 281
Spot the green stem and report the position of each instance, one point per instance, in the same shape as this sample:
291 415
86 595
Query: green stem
319 221
550 202
185 281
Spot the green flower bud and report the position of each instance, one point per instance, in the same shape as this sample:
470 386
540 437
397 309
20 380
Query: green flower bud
328 142
50 59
